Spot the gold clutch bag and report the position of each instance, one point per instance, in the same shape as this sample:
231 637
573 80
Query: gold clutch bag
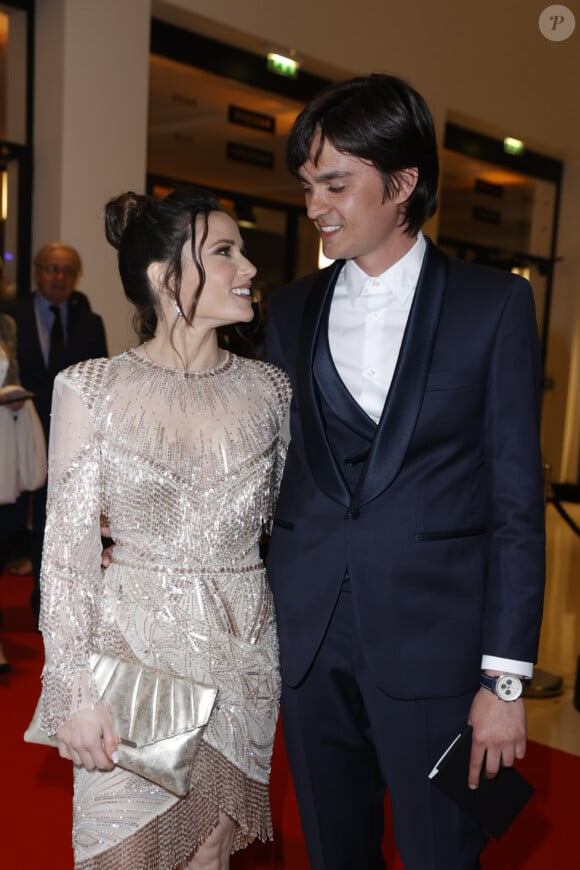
159 719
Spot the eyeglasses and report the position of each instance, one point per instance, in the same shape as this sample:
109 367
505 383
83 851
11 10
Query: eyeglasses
53 269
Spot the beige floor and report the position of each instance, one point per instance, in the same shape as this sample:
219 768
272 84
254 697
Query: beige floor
555 721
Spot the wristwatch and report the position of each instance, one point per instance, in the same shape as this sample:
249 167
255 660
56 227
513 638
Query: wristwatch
507 687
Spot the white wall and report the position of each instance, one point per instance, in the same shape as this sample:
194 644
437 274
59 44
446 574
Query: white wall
91 93
563 360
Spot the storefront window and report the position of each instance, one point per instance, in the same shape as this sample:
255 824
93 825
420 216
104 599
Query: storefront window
15 145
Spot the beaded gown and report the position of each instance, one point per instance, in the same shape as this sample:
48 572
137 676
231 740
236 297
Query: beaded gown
185 468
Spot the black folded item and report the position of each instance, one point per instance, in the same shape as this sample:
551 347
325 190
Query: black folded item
496 802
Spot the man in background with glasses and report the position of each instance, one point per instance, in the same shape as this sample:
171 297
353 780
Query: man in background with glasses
55 328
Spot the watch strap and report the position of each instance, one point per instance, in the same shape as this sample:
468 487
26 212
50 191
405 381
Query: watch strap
488 682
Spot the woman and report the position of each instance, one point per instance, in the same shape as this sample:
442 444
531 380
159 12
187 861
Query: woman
179 444
8 375
12 503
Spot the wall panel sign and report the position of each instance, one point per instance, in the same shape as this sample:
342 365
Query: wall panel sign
246 118
486 215
245 154
488 188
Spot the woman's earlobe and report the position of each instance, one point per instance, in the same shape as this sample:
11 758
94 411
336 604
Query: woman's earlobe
156 275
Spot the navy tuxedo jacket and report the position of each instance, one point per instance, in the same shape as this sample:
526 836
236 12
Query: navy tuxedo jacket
443 533
85 340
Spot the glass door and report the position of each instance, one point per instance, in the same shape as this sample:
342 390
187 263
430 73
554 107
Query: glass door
15 210
16 78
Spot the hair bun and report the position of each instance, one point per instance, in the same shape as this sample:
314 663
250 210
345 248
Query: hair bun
120 212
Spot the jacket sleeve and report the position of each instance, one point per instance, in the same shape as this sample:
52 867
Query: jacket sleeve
516 556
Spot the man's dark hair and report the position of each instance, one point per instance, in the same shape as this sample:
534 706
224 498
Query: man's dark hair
381 119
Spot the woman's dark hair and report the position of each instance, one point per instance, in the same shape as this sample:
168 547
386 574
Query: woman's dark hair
147 230
381 119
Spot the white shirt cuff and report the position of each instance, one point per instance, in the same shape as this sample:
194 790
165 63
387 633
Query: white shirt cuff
510 666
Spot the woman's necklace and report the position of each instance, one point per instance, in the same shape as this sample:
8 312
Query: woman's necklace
220 358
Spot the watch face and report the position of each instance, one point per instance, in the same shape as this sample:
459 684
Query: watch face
508 687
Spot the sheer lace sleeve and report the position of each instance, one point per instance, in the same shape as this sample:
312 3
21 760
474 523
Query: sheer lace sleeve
71 574
283 395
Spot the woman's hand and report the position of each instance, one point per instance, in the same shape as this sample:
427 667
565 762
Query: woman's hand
108 547
88 739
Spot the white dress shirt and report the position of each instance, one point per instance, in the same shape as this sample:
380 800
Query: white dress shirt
45 319
367 321
366 325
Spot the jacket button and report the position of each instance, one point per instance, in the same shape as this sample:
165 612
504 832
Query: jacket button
353 515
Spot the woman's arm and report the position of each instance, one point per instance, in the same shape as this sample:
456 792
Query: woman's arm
71 584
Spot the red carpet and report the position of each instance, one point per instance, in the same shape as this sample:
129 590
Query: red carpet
35 794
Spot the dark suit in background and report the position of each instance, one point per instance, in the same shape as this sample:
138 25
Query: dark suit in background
85 339
57 268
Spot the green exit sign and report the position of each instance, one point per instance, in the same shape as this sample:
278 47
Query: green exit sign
513 146
281 65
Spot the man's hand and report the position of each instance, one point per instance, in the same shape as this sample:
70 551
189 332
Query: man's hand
499 729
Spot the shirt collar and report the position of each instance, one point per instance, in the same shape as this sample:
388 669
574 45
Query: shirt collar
43 304
400 279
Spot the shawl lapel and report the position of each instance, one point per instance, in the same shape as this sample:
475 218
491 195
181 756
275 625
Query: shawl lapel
330 386
403 403
321 461
406 394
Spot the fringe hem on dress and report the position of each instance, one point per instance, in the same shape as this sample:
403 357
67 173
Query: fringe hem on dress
169 841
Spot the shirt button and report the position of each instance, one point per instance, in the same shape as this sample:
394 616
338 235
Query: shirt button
371 373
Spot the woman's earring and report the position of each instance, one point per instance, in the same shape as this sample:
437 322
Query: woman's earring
178 307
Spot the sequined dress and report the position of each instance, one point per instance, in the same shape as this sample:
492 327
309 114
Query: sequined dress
185 467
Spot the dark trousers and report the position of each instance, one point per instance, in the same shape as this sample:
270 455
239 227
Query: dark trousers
347 742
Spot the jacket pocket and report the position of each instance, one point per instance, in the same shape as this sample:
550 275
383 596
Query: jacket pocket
446 536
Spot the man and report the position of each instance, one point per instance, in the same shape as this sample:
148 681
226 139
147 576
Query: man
54 331
407 555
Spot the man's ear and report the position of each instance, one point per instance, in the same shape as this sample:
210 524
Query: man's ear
156 275
406 182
